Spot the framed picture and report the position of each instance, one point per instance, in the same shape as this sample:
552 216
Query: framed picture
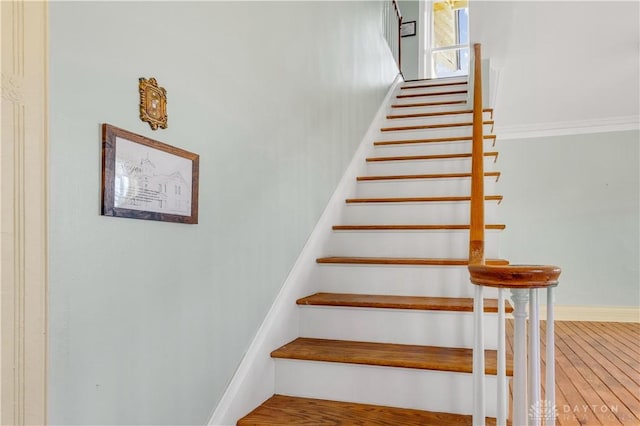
408 29
146 179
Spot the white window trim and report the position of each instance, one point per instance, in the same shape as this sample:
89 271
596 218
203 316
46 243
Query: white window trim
23 218
425 28
426 66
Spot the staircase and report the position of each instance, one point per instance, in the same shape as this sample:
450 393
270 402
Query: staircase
388 338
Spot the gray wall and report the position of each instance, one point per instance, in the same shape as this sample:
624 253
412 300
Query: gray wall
149 320
410 50
574 201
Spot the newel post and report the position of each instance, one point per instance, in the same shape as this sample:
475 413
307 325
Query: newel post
524 282
476 240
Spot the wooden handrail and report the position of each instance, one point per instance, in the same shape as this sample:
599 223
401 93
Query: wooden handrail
397 8
515 276
476 233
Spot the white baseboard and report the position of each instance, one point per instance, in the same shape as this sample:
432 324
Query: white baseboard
254 380
593 313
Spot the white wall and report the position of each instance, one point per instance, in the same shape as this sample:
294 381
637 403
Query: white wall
561 63
149 320
573 201
568 68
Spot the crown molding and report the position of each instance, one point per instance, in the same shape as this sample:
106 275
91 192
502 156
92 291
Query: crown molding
563 128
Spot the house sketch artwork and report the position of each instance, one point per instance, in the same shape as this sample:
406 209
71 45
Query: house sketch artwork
151 180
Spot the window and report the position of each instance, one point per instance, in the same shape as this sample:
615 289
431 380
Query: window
449 51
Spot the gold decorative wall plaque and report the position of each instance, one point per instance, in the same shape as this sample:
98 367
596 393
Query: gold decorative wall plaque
153 103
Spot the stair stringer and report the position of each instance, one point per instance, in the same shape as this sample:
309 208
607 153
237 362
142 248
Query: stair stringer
254 380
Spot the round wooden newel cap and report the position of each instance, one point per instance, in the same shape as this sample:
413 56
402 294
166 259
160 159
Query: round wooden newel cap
515 276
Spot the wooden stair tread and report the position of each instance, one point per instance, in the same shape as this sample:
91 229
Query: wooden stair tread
433 140
426 86
428 104
296 411
430 157
418 95
425 176
454 199
434 126
347 260
386 355
420 303
437 114
411 227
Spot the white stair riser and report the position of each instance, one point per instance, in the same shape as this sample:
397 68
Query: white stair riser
437 119
431 133
420 187
388 386
409 167
402 326
404 135
423 244
413 213
429 108
432 89
430 99
434 281
429 148
464 79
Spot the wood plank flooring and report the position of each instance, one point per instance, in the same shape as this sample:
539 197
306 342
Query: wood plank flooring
597 372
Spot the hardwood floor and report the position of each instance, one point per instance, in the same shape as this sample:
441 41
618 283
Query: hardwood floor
597 372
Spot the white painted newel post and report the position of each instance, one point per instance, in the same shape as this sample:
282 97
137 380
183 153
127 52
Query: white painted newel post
524 281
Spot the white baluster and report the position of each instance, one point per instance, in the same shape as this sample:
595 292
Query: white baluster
550 369
502 363
535 407
478 358
520 298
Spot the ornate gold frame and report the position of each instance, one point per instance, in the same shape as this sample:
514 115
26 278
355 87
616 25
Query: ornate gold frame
153 103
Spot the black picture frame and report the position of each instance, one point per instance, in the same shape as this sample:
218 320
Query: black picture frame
408 29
